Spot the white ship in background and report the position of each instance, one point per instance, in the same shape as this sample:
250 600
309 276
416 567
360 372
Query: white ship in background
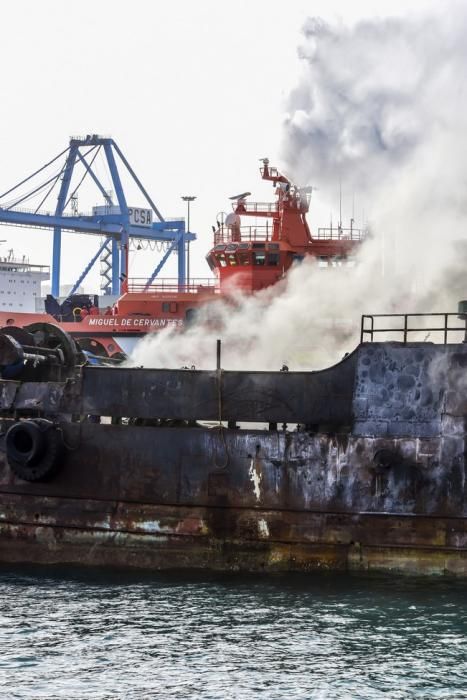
20 284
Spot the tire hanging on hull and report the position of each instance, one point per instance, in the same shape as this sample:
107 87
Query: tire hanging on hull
34 449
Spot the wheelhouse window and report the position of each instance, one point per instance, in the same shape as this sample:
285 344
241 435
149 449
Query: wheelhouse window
259 258
273 259
169 307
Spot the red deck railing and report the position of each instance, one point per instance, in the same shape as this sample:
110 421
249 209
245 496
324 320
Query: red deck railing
226 234
171 286
340 234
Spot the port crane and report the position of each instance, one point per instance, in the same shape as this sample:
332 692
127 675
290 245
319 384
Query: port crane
116 222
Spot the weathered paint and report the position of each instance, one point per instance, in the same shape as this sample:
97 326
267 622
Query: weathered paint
386 492
255 476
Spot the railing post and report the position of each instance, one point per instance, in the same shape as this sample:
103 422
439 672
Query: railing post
446 329
405 327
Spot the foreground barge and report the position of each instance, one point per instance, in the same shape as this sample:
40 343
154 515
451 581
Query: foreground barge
368 472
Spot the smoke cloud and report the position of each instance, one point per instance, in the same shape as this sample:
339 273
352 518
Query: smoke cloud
380 107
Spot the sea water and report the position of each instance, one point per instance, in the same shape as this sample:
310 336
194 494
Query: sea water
87 634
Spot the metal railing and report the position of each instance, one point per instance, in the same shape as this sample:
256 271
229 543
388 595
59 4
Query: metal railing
433 327
14 265
170 285
23 210
242 234
78 215
338 233
256 207
89 137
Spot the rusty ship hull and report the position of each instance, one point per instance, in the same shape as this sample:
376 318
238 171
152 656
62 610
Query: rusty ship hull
359 466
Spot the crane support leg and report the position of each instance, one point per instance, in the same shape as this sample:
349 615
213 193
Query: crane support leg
123 207
57 239
181 259
115 267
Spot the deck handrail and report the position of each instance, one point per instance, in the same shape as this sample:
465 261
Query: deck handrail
170 285
338 233
242 234
408 326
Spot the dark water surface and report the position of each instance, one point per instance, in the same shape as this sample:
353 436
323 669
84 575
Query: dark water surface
86 634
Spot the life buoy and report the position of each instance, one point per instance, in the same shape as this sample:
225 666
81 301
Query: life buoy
77 311
34 449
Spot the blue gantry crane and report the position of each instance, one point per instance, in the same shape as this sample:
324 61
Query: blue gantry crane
116 222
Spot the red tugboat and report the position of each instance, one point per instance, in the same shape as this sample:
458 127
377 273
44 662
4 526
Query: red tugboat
245 257
255 257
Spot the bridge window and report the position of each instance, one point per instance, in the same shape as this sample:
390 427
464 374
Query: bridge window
232 260
259 258
221 260
169 306
244 258
273 259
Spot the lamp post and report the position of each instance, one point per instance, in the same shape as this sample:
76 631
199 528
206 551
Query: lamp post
188 199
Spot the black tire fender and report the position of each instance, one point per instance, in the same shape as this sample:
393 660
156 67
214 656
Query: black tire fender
25 442
34 449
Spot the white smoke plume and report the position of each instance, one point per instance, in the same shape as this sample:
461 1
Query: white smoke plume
381 107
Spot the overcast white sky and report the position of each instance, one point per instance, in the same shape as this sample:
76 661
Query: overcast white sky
193 92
